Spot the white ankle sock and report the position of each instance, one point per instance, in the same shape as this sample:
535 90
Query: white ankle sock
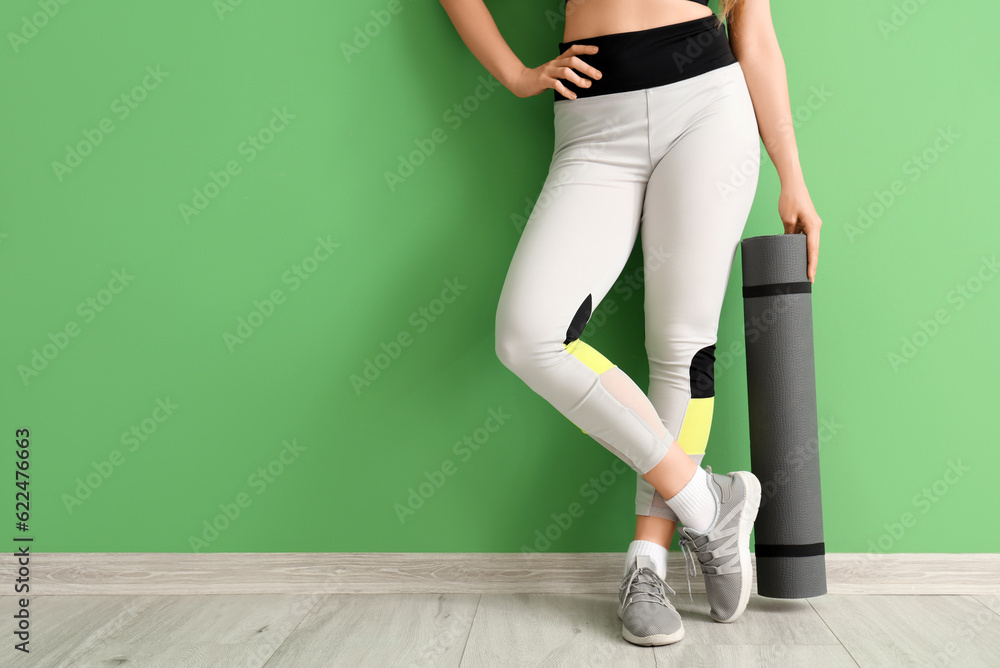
695 504
654 551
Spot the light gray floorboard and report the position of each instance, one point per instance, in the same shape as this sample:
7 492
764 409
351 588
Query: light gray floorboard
472 630
187 631
583 629
64 628
913 630
991 601
754 656
381 630
550 630
766 621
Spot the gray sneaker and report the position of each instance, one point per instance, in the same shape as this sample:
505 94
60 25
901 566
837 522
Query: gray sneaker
723 550
648 617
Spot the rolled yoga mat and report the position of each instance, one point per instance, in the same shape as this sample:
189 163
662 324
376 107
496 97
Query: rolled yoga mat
784 438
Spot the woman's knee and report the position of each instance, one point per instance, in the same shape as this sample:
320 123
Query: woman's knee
680 361
523 347
512 345
508 350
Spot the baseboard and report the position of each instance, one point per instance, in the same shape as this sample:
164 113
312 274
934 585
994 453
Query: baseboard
95 573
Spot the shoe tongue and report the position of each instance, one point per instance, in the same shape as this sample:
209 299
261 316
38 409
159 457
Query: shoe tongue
643 561
719 492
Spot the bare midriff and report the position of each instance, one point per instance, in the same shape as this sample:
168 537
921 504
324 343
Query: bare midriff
590 18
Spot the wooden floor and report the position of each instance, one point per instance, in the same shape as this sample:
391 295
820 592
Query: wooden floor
248 630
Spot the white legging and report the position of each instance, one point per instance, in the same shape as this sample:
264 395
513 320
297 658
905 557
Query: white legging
677 164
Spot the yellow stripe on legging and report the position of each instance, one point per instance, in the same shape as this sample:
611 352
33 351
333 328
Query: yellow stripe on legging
589 356
697 425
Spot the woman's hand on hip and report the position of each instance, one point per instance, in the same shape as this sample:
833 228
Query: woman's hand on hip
534 80
799 216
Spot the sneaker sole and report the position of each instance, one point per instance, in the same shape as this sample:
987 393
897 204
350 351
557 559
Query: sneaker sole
749 513
658 639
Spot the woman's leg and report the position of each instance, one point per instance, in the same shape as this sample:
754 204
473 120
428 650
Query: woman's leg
699 195
573 247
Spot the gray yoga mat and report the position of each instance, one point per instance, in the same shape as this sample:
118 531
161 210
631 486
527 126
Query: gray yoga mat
784 434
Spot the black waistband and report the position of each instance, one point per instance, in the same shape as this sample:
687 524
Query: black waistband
653 57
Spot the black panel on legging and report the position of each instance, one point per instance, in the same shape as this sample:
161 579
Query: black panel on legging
703 373
579 322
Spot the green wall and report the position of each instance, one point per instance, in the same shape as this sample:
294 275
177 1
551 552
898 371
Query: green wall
237 171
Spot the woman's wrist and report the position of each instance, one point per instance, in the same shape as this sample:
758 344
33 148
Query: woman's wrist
510 75
791 176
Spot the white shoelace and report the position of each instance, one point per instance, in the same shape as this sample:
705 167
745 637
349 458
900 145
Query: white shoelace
652 588
689 560
689 546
